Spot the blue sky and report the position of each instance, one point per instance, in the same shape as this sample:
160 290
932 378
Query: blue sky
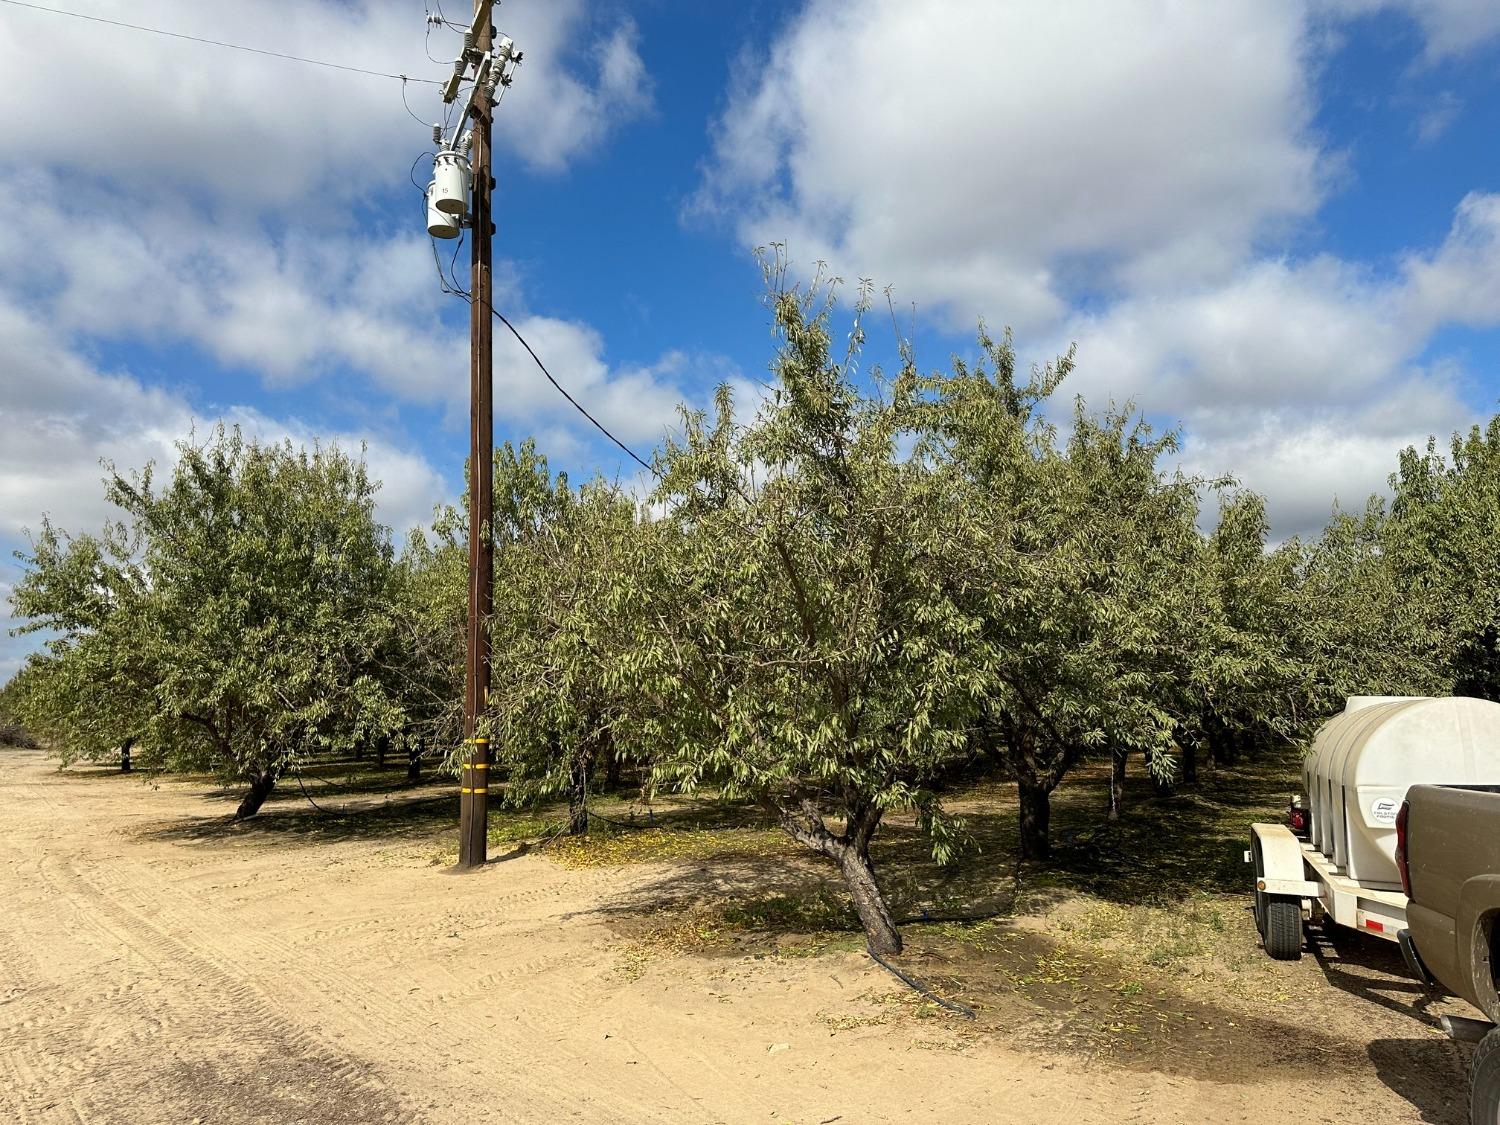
1272 223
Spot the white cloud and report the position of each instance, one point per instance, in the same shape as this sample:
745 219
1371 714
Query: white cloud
1460 281
1001 156
192 122
1449 27
1128 174
1438 116
1303 379
61 418
290 305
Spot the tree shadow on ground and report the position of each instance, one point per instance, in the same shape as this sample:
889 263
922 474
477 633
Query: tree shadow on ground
419 817
1161 851
1166 847
1371 969
1029 989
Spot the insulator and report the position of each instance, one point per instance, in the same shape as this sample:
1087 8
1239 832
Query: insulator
437 133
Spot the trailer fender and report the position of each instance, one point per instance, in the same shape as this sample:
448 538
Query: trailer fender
1277 856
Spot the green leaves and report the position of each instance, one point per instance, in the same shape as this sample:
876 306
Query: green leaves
233 618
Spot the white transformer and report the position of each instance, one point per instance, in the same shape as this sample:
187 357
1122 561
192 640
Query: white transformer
1355 778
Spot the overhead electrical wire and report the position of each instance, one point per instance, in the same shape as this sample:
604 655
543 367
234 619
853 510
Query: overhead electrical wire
221 43
632 454
403 79
542 367
452 286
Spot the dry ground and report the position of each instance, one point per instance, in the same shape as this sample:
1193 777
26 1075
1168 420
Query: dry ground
160 965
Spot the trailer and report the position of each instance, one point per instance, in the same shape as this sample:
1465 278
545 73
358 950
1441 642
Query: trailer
1338 859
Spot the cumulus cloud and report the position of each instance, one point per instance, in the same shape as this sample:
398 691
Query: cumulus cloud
1127 174
1449 27
1003 156
62 418
288 305
186 119
1303 379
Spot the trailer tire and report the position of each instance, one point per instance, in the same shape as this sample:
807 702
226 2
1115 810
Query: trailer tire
1484 1082
1283 933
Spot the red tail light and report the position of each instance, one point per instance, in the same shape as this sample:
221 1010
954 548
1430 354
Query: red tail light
1402 864
1296 820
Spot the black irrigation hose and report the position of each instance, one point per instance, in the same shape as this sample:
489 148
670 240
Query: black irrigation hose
619 823
297 769
917 986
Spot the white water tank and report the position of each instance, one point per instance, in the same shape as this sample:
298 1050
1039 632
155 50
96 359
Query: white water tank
1362 763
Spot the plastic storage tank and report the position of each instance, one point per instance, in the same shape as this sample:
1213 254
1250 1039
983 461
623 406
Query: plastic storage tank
1362 763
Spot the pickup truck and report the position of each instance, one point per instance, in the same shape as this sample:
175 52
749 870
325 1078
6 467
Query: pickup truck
1448 856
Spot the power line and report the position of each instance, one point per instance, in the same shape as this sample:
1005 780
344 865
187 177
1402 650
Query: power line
598 425
578 406
220 43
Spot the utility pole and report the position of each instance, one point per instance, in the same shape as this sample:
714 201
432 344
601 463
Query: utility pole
458 196
474 784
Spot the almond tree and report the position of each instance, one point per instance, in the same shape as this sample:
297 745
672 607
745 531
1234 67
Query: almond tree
230 620
800 649
1072 555
558 696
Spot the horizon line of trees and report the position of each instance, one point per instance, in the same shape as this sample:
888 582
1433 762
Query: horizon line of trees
864 593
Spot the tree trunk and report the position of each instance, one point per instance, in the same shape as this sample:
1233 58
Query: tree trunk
881 935
1190 763
261 784
1165 787
382 744
851 852
612 761
1116 784
1036 820
414 759
125 754
578 793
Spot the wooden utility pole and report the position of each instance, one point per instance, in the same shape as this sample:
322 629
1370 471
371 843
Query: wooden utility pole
474 784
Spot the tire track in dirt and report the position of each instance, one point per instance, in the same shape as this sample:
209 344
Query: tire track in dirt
201 1002
378 1019
157 967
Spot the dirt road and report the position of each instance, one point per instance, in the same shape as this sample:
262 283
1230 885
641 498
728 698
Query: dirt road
152 973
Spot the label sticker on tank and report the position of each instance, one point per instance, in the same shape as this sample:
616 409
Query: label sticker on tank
1384 810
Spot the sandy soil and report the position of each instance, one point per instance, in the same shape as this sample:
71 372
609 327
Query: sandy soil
154 971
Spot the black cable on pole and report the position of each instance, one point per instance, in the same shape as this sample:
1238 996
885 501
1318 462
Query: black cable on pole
598 425
219 43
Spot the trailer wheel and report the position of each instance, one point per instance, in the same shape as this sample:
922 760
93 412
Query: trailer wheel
1283 932
1484 1082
